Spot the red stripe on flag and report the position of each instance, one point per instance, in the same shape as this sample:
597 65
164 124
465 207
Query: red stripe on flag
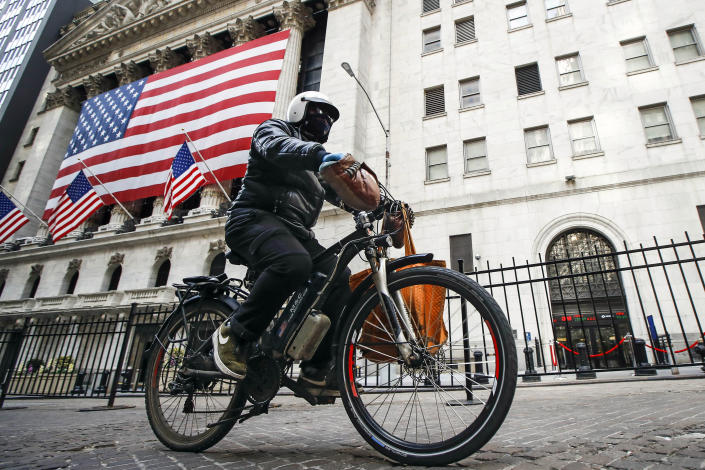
11 223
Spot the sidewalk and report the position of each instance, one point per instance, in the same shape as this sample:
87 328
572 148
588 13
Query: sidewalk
645 424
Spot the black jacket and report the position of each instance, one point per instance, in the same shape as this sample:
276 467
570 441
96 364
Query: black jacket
281 177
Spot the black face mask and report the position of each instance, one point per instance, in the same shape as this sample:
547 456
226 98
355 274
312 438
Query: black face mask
316 127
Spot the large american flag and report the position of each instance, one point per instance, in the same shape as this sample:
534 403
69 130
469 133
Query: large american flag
78 203
11 218
129 135
184 179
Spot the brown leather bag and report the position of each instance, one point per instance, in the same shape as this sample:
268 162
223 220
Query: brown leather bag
354 182
426 306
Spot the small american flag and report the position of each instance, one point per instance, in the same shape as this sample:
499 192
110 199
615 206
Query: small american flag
11 218
184 179
129 135
78 203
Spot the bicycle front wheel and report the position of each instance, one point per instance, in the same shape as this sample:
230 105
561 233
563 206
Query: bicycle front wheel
455 395
183 411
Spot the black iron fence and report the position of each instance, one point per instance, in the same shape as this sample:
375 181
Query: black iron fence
595 310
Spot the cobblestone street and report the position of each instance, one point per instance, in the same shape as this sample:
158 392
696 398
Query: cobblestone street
638 424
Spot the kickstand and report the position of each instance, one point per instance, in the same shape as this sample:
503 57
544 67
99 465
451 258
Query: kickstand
256 410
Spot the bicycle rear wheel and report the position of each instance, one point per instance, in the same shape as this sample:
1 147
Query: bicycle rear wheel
181 410
420 414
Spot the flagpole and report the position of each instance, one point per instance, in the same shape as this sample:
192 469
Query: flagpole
25 207
106 189
204 162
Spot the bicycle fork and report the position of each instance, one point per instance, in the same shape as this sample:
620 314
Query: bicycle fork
393 307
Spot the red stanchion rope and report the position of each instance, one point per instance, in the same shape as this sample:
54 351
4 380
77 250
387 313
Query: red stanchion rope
593 355
674 352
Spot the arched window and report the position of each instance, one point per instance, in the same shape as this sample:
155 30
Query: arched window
2 286
72 283
217 265
587 301
163 273
115 278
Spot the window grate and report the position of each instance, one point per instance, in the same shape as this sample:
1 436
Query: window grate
528 79
431 5
465 30
435 101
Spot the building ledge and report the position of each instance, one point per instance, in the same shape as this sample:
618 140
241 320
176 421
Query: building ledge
662 144
520 28
461 2
547 162
588 155
638 72
690 61
473 174
434 116
435 51
471 41
556 18
440 180
531 95
427 13
615 2
471 108
573 85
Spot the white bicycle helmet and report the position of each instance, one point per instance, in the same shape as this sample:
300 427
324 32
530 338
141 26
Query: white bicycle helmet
299 105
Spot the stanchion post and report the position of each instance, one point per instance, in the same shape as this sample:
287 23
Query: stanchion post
700 351
642 362
466 342
480 376
121 357
584 369
530 374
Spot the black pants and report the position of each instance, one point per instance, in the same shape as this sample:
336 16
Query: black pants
285 263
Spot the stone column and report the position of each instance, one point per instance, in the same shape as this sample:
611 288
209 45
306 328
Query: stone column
297 18
164 59
66 96
158 215
211 198
245 30
203 45
118 216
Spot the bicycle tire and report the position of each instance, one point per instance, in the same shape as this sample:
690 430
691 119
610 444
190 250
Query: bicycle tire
163 362
360 404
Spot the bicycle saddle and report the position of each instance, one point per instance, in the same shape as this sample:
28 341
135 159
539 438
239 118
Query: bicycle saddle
201 280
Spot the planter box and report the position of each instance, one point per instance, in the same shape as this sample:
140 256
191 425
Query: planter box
44 384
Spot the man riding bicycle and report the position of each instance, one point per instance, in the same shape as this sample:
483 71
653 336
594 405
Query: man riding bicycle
269 229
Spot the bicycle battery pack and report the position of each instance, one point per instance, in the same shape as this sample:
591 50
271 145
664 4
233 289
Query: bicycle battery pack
299 329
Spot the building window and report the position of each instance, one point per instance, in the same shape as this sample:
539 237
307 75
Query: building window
538 145
18 172
583 136
32 286
569 70
72 283
163 273
556 8
465 30
436 163
217 265
432 39
115 278
475 153
685 44
434 101
517 15
470 92
431 5
637 54
30 138
461 249
699 110
657 122
528 79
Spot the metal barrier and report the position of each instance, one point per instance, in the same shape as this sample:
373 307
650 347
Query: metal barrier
571 314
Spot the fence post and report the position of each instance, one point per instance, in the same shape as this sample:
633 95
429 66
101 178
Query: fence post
466 342
642 362
700 351
480 376
14 347
584 369
530 374
121 357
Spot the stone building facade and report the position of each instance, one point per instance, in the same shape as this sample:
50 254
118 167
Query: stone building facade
509 125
